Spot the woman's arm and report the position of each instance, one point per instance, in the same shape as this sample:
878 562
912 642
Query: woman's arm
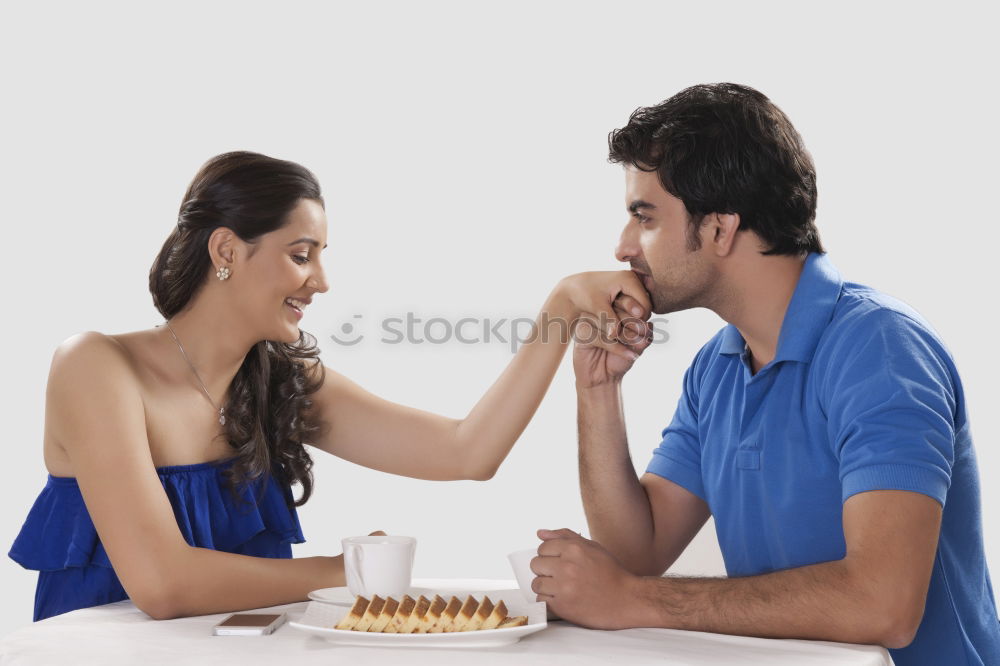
376 433
93 407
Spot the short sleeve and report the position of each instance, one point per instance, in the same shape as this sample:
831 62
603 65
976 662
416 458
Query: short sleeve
678 457
891 405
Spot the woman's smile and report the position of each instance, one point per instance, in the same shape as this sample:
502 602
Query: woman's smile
295 306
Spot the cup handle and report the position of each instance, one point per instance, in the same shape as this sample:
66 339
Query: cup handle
354 558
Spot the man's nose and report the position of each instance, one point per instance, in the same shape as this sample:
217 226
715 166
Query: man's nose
627 247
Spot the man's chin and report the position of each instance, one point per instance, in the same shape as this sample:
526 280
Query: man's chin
658 305
661 308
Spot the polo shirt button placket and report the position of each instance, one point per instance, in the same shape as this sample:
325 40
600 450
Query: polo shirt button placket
754 394
748 455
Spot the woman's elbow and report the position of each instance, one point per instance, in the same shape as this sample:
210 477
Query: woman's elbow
158 597
473 468
484 475
478 473
158 604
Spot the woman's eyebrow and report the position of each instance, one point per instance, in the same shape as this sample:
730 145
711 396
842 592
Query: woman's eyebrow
306 239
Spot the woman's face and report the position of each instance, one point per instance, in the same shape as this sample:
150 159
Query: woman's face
284 271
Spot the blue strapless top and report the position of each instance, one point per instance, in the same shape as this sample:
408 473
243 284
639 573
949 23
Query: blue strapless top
59 540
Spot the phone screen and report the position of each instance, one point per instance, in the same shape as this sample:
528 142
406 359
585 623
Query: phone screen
249 620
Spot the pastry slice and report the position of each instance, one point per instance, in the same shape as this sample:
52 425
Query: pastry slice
447 618
388 610
432 615
465 613
371 614
518 621
498 615
402 615
354 615
419 611
482 612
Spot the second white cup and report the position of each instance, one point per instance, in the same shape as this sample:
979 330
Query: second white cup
520 562
381 565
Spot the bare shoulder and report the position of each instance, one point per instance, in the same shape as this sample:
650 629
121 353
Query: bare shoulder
92 354
314 369
91 366
93 404
336 396
333 381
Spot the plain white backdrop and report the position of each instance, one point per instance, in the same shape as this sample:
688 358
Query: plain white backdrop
462 152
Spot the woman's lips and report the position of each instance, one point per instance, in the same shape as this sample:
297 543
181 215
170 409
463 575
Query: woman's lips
295 310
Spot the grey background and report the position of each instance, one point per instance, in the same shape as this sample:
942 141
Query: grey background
461 147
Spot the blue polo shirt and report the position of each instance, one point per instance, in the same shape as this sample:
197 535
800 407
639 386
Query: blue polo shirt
861 395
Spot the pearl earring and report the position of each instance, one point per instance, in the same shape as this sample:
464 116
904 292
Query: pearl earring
223 273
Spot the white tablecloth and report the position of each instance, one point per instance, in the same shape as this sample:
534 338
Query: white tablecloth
121 634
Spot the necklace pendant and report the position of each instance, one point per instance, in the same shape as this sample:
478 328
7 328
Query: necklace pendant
222 416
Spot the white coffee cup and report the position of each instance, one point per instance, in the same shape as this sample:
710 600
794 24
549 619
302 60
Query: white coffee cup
379 565
520 562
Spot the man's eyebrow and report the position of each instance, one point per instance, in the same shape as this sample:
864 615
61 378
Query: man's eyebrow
639 203
306 239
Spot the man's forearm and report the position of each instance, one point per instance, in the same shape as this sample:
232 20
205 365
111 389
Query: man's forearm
617 508
826 601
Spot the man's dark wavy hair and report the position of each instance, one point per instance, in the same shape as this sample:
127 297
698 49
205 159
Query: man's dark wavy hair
267 410
726 148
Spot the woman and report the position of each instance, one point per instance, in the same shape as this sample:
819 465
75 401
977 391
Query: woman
172 451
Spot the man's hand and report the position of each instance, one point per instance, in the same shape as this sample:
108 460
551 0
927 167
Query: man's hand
610 327
582 582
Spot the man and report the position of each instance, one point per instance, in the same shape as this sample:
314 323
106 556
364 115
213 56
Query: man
824 428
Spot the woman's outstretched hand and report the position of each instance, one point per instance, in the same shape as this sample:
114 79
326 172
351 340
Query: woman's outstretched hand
374 432
610 324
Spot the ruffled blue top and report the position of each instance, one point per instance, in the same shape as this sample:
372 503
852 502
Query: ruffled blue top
58 539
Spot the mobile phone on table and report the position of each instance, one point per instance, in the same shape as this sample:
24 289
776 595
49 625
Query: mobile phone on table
249 624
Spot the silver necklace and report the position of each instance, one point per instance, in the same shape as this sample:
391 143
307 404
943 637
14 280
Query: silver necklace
222 410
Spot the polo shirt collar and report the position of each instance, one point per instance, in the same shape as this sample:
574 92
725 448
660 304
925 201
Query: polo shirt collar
810 310
732 341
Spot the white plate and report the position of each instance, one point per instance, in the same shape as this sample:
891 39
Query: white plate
341 596
320 618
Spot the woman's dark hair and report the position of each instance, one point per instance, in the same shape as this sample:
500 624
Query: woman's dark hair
726 148
267 410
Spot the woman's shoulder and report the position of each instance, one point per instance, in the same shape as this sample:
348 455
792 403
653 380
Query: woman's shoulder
91 356
88 347
93 344
92 388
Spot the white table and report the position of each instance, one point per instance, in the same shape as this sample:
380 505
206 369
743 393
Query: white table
121 634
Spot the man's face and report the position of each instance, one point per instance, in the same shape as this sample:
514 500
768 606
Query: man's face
656 241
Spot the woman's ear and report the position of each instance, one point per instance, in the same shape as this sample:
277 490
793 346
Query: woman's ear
221 246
